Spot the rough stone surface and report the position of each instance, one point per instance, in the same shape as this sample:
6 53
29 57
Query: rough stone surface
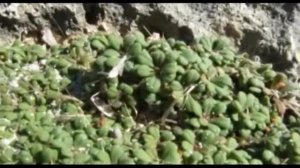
270 31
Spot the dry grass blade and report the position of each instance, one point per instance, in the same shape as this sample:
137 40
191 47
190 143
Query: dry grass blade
152 36
167 112
190 89
145 28
118 69
293 104
71 98
101 105
171 107
280 106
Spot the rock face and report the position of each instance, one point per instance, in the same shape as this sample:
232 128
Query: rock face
270 31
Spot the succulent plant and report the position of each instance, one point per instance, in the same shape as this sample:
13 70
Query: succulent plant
108 99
